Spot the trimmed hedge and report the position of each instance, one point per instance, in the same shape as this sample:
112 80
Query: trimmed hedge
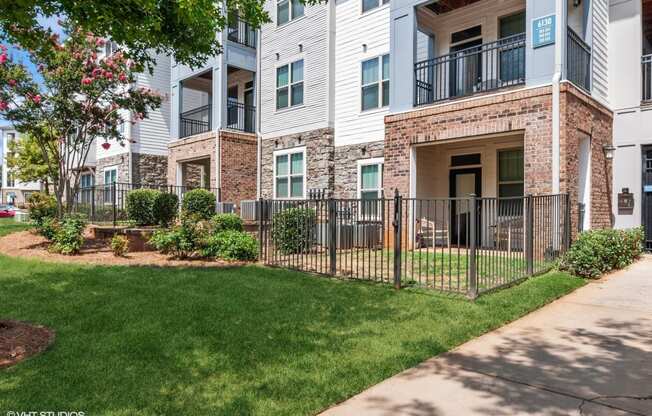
596 252
41 206
165 208
231 245
199 202
140 206
293 230
226 222
69 237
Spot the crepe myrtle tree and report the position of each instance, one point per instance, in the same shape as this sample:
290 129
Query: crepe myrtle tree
78 101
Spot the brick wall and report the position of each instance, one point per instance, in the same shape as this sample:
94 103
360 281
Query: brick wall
238 166
195 147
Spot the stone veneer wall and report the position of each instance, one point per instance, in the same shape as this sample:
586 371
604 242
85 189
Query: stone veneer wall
320 159
121 162
149 169
527 110
346 168
238 154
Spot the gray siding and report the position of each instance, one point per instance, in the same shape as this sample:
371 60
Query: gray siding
600 47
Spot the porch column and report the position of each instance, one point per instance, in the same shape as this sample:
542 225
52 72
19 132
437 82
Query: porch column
403 28
175 97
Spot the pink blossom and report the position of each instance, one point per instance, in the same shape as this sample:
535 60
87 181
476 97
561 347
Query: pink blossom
3 58
96 72
100 42
106 145
122 77
3 106
36 99
87 81
108 75
12 82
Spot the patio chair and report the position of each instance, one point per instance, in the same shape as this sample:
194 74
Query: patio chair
432 233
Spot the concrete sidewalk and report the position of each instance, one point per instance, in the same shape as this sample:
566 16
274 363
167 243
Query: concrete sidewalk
589 353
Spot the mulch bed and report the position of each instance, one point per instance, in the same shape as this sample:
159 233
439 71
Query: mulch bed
20 340
26 244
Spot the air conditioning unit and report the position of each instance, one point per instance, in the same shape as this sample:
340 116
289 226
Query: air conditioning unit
225 208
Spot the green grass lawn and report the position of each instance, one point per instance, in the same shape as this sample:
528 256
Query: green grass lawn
9 225
240 341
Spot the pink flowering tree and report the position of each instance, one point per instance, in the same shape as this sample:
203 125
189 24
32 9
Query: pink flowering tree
79 101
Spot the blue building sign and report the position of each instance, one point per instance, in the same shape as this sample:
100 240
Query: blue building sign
543 31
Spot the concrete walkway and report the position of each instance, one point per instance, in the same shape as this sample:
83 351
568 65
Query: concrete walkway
589 353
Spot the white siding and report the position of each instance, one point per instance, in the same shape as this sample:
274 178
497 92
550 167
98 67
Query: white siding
600 47
23 186
353 31
312 32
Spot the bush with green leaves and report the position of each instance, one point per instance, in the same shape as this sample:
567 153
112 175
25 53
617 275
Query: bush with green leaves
165 208
119 245
596 252
226 222
293 230
140 206
69 238
231 245
199 202
41 206
48 227
184 240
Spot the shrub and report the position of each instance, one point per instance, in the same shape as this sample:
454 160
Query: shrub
119 245
231 245
48 227
41 206
140 206
184 240
226 222
199 202
292 230
165 208
599 251
69 237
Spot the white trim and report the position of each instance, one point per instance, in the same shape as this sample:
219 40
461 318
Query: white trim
289 63
290 13
379 82
368 162
290 151
381 5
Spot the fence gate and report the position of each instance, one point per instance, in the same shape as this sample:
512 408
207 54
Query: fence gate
409 241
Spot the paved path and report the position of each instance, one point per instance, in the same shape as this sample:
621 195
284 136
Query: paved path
589 353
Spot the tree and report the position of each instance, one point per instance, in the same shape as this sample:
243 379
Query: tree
26 161
186 29
80 100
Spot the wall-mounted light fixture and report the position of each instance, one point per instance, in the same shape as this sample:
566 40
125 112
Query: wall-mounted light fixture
609 151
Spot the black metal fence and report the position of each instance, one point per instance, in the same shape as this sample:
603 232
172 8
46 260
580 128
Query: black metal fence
195 121
646 78
241 116
460 245
481 68
578 61
107 203
241 32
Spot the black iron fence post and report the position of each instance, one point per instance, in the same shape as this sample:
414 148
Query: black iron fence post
529 234
398 215
567 212
332 235
259 216
473 220
115 202
92 203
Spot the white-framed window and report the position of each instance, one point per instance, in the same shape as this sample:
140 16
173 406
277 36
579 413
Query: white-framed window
289 85
511 181
375 83
110 177
86 180
287 10
290 173
372 4
370 185
110 48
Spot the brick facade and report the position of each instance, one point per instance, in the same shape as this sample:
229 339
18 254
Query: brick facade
526 110
320 159
201 146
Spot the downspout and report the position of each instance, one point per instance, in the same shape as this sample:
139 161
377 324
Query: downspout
556 99
259 137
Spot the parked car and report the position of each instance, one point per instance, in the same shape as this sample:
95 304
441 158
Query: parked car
7 211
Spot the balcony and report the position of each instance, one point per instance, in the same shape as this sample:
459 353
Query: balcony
240 116
578 61
646 78
241 32
477 69
195 121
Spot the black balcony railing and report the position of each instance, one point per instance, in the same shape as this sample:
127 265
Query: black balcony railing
240 116
481 68
578 61
195 121
241 32
646 72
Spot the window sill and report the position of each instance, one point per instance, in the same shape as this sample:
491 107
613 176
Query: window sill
373 111
286 24
288 109
372 11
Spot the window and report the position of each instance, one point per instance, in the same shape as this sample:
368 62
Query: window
287 10
375 83
86 180
372 4
512 58
370 185
85 184
289 85
11 182
110 177
289 174
510 181
466 160
110 48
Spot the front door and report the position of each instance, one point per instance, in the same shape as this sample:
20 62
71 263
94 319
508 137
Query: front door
647 195
463 183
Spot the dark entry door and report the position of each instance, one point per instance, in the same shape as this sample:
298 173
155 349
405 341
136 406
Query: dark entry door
647 195
463 183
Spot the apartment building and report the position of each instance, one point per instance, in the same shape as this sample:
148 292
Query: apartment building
12 191
438 99
213 142
630 52
142 157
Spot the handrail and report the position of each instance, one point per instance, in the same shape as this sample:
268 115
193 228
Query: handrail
578 61
646 77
